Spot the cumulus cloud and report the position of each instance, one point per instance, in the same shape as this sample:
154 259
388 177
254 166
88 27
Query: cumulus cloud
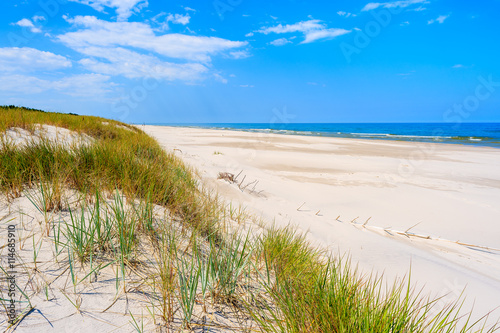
313 30
440 19
344 14
83 85
25 59
394 4
280 42
37 18
178 18
161 20
220 78
133 50
303 26
120 61
26 23
101 33
242 54
124 8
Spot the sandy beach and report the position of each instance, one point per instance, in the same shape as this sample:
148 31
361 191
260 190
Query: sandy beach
391 206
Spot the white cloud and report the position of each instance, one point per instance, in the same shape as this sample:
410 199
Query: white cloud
120 61
124 8
178 18
458 66
246 86
133 50
394 4
239 54
250 34
160 25
174 18
440 19
303 26
101 33
13 59
23 84
313 30
37 18
220 78
280 42
189 9
322 34
405 23
84 85
345 14
26 23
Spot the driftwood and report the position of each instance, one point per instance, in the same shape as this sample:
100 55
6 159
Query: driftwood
229 177
408 234
232 179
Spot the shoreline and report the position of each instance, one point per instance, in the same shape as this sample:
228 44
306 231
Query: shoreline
463 140
353 196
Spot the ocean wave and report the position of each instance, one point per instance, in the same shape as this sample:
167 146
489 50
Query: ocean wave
322 131
471 138
368 134
390 135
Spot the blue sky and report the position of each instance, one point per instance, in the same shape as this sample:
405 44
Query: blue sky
155 61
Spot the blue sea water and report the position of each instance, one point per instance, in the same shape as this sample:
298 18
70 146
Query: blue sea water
479 134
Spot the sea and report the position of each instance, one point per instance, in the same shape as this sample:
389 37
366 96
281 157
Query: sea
476 134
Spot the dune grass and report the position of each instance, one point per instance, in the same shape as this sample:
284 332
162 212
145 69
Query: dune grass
312 292
122 158
188 261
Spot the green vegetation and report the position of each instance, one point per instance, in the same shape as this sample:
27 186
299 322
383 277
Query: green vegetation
192 260
122 158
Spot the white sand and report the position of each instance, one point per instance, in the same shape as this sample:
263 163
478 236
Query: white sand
451 191
50 301
21 137
48 283
94 303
